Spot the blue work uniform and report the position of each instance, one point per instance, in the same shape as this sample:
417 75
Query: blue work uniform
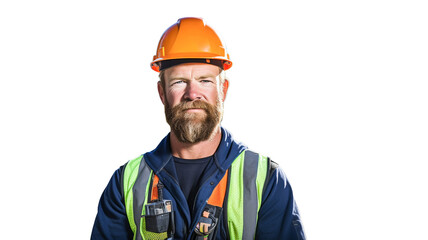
278 217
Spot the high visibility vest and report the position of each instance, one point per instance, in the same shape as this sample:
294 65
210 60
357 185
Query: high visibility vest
248 174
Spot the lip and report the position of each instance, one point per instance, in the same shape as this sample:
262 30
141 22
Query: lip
194 110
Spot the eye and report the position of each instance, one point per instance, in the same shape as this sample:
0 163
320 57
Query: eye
206 81
177 82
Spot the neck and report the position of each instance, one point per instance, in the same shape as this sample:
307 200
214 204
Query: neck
195 150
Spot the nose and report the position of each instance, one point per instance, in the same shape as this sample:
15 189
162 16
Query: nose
192 91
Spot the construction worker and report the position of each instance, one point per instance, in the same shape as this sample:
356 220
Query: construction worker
199 183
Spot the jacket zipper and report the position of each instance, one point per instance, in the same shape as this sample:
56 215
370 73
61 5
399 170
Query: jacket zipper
197 193
185 227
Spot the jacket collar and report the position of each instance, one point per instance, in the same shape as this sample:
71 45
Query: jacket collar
161 156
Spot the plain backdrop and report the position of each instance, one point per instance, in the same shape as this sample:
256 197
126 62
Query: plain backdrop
334 91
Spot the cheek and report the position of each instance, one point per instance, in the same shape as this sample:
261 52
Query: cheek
215 95
172 98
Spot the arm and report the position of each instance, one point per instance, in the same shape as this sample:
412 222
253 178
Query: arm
278 216
111 221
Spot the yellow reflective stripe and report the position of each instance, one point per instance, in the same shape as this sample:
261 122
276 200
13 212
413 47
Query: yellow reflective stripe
261 178
235 201
129 176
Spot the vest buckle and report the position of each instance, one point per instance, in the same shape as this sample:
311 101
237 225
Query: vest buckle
208 220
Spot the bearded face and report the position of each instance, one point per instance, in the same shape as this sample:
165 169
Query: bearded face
193 95
194 121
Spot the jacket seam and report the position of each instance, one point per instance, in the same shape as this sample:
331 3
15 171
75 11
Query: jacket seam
269 174
121 177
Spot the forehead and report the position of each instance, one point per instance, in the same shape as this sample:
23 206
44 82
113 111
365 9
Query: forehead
192 70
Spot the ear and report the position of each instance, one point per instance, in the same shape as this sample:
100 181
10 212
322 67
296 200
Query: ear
225 88
161 92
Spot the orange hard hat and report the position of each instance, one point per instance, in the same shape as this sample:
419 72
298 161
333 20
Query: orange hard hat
190 40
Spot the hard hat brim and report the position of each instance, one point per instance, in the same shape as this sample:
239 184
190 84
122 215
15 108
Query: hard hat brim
162 63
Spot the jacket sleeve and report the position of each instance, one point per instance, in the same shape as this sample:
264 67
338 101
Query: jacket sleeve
278 215
111 221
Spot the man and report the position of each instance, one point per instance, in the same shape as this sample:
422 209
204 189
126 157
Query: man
198 183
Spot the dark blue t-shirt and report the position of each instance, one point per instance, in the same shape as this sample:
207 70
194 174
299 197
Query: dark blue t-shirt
190 174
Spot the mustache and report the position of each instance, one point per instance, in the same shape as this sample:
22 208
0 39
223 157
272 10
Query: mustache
183 106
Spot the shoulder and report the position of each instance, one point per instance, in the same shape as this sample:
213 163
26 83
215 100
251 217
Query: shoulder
129 171
273 171
271 166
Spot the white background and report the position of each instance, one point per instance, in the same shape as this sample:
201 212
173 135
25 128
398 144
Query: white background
335 91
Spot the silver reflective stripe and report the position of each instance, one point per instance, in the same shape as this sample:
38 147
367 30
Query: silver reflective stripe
250 194
139 192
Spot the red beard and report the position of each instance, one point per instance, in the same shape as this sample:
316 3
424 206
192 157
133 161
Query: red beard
193 127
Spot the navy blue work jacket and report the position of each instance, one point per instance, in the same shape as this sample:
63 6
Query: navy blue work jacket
278 216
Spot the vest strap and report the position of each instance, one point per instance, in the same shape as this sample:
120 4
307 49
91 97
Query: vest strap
135 181
248 175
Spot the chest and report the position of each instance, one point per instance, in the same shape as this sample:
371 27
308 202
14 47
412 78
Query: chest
241 199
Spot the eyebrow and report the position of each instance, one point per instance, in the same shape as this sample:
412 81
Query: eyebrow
198 78
206 76
178 78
